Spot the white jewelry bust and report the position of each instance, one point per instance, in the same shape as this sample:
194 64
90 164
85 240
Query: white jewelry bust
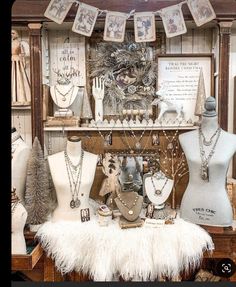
158 188
63 96
206 202
59 172
20 155
18 220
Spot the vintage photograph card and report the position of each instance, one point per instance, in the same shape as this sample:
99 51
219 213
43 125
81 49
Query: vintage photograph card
85 19
57 10
173 21
201 10
144 27
115 27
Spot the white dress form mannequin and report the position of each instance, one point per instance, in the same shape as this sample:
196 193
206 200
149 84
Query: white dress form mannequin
207 202
162 184
18 220
20 155
60 179
63 96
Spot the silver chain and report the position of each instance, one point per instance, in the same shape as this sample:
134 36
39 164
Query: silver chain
75 178
158 191
205 141
206 159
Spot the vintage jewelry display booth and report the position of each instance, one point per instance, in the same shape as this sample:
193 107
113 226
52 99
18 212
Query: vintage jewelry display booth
120 113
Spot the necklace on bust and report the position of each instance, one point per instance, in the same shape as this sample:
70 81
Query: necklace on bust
130 208
74 172
63 96
204 172
204 140
158 190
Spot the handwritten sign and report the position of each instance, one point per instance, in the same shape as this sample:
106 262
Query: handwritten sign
181 75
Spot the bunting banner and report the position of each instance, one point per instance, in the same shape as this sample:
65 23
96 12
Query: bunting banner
173 20
144 22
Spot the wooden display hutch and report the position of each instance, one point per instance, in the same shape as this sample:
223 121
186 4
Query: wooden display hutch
36 265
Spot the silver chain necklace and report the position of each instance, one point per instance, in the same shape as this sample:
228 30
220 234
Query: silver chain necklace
65 94
74 173
206 159
158 191
205 141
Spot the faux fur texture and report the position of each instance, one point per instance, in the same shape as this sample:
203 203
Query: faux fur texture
136 254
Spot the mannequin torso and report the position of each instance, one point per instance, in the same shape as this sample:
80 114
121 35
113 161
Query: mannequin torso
18 220
206 202
60 178
20 155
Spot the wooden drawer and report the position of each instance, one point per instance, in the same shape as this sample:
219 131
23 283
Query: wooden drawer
27 261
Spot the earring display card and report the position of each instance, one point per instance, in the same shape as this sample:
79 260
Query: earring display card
85 214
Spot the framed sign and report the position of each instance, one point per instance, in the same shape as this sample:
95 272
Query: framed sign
180 77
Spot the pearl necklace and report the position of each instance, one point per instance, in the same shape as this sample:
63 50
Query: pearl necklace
126 205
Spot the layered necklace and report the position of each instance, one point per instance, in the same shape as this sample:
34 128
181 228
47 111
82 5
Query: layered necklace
130 208
63 96
74 173
157 190
206 159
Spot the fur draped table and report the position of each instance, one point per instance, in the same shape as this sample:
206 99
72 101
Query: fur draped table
142 253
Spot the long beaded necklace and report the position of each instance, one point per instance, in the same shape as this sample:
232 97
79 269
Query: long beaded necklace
204 172
158 191
170 140
74 175
130 208
137 141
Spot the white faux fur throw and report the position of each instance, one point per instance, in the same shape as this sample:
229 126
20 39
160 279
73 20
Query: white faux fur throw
141 253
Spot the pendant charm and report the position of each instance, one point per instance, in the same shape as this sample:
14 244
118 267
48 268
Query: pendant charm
207 143
63 99
205 173
138 145
158 192
130 212
72 203
77 203
170 146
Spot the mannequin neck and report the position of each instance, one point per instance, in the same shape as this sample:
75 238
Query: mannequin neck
209 124
73 146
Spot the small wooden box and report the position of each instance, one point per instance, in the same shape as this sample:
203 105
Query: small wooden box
27 261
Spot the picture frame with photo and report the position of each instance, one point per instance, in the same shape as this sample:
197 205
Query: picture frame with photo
85 19
57 10
202 11
114 29
144 27
173 21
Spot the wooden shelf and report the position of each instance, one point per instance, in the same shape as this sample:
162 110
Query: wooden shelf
26 261
50 129
21 107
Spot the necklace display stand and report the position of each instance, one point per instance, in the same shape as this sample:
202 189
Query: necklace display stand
130 205
63 96
158 188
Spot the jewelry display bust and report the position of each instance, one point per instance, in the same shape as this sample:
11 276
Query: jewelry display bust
73 172
208 151
129 202
18 220
158 188
20 153
63 96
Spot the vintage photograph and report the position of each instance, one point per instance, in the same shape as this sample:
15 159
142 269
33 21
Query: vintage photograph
173 21
201 10
85 19
115 27
57 10
144 27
